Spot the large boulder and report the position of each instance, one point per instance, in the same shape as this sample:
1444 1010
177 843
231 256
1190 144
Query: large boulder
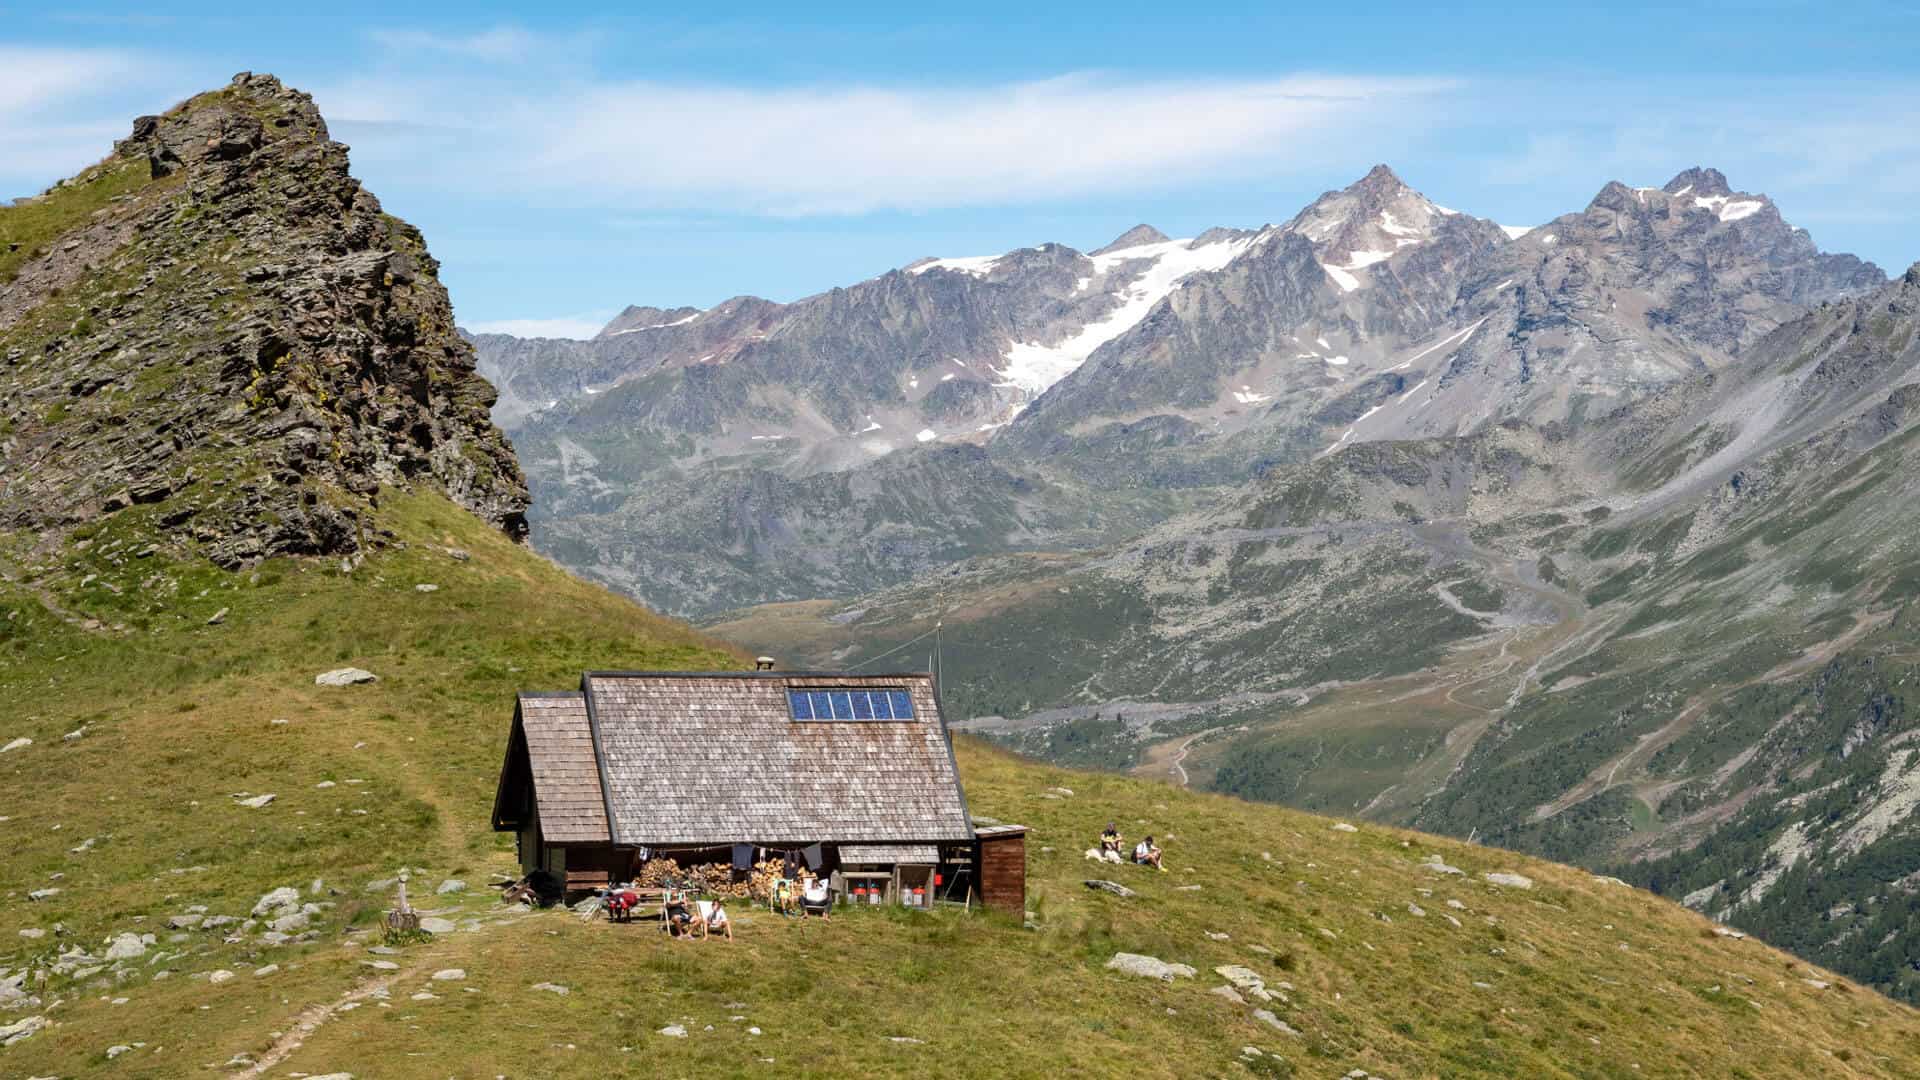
1148 967
346 676
281 901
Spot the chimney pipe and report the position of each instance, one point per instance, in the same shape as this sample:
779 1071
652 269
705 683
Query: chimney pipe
764 663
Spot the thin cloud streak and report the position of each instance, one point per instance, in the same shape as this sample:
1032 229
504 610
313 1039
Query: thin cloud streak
859 150
577 327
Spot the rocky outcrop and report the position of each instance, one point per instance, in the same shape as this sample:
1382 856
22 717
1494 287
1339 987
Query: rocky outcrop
233 343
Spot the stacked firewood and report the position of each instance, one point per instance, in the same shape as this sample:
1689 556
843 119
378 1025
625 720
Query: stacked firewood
706 879
760 881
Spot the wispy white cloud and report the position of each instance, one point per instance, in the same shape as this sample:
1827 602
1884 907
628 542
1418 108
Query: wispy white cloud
61 108
857 149
579 327
500 43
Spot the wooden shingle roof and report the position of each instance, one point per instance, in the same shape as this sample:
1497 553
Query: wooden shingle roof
566 774
716 758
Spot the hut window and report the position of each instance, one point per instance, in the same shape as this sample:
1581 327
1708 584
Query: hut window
886 704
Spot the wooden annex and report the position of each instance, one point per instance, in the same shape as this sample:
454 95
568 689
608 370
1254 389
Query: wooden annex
853 774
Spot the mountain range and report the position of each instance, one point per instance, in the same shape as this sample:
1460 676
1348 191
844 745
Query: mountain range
1588 538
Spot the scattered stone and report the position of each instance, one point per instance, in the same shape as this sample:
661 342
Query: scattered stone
33 933
21 1029
257 801
290 924
217 618
1148 967
1417 911
1229 993
552 988
18 744
43 894
280 901
220 976
906 1039
324 784
1064 791
437 925
451 885
1510 880
1341 826
263 972
1186 888
1215 936
458 554
346 676
753 1031
76 734
125 947
1245 979
426 587
381 965
674 1031
1113 887
1266 1017
1435 864
1602 879
116 1051
449 975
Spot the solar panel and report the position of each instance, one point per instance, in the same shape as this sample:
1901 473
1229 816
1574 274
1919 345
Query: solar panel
888 704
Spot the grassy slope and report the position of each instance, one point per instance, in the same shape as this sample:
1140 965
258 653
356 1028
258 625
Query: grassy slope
179 718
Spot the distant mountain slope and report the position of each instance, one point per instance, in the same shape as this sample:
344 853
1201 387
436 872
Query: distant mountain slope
1673 643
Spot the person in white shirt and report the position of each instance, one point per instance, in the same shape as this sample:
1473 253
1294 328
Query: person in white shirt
815 899
718 922
1146 854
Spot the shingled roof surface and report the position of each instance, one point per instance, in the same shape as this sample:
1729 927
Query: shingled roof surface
691 759
566 778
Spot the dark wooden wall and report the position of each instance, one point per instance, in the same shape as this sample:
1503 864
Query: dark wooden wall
1003 873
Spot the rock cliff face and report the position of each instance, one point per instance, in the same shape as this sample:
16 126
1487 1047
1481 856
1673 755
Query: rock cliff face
218 327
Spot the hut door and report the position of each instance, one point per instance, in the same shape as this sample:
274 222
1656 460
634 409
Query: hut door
557 862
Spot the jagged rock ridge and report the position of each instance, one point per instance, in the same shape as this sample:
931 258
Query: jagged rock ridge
223 327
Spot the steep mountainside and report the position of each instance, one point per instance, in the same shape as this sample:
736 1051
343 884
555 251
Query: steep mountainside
217 328
201 837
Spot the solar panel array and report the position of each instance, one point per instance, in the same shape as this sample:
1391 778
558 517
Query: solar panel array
850 704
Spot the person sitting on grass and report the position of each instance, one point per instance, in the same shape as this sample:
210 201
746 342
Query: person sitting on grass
717 920
815 899
1145 853
1110 840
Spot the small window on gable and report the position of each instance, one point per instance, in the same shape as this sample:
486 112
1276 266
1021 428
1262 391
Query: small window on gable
884 704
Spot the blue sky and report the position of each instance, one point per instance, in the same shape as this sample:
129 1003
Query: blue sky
565 165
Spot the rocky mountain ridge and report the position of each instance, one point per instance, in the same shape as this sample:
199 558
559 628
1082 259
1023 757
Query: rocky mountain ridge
218 329
1124 385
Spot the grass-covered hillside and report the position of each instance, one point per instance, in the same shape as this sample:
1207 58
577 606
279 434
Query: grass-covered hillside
1373 958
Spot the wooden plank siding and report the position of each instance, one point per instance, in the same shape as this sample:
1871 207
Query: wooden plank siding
1003 871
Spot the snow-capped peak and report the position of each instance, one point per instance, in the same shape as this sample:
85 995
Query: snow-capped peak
1365 223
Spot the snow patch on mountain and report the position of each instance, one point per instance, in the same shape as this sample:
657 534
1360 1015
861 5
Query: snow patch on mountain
977 265
1033 367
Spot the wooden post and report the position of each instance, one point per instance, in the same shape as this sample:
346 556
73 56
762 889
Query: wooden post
404 917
